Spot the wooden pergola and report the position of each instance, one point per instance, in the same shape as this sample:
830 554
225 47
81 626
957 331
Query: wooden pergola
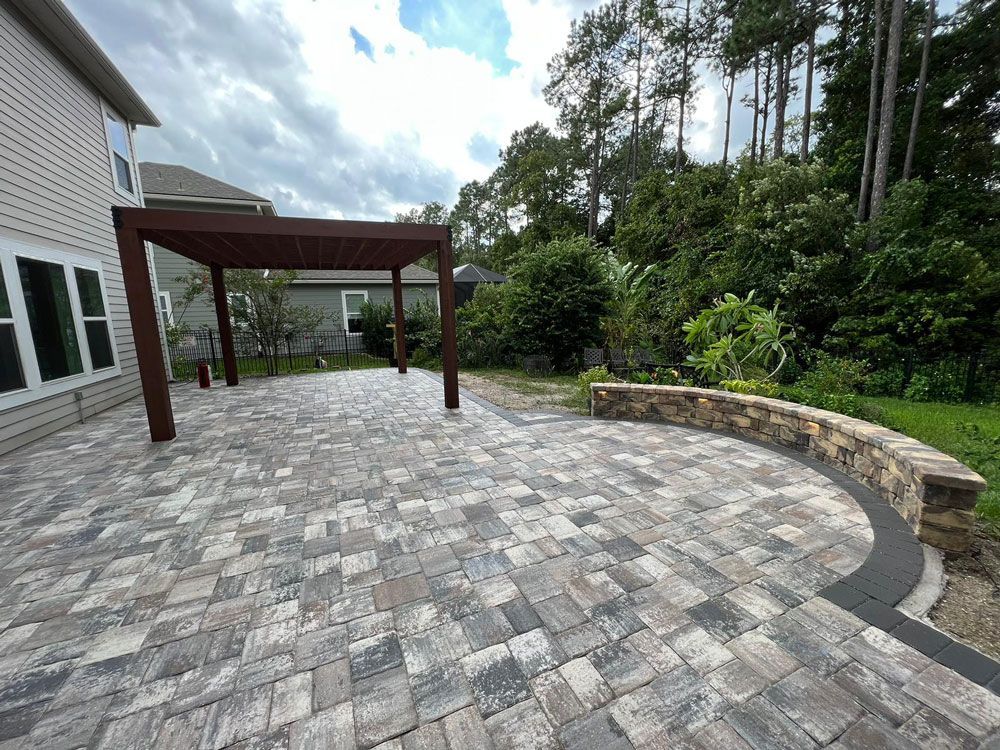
220 241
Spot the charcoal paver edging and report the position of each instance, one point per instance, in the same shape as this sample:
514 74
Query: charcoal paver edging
890 572
933 492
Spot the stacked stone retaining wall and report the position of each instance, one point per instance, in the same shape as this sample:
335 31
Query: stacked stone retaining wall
932 491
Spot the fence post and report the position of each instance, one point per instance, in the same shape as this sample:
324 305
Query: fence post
347 350
907 370
971 366
211 349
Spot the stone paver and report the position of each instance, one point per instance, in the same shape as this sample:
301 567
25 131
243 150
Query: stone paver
337 561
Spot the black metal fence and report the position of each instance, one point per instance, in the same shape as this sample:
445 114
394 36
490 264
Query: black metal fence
301 352
957 377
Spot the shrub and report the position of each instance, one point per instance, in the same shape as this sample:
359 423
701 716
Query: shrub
885 383
423 326
935 385
483 337
847 404
656 376
375 336
555 299
752 387
830 374
736 339
593 375
424 359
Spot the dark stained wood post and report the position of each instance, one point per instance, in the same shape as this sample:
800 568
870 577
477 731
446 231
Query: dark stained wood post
397 304
225 326
449 346
144 313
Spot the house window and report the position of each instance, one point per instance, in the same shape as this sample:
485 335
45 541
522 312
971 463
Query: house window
352 310
50 317
166 310
11 372
55 328
121 154
95 318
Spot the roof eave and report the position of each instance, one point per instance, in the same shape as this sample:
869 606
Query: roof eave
62 29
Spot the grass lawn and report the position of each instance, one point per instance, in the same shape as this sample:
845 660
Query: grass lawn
939 425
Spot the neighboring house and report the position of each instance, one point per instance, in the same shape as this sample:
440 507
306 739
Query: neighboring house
468 277
67 117
338 293
181 188
341 293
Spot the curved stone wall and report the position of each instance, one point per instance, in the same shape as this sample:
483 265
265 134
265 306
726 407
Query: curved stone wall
932 491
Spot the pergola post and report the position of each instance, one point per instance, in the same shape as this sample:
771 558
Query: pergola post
225 326
449 347
400 313
143 312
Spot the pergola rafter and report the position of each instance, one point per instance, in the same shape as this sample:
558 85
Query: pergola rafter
220 241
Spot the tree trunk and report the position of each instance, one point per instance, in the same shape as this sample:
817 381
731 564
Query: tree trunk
779 107
595 176
807 104
767 107
881 175
679 153
918 103
756 106
729 113
866 168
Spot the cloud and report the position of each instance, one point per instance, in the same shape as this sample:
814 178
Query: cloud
332 107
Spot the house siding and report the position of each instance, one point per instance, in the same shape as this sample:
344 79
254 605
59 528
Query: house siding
56 191
328 297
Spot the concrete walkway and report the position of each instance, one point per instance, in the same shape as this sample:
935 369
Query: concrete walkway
337 561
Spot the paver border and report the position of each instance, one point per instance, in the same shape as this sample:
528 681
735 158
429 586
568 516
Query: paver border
891 571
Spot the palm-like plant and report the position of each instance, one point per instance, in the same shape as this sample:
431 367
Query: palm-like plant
628 308
737 339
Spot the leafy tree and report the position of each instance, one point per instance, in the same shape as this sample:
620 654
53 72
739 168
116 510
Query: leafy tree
556 298
259 304
426 213
586 89
482 328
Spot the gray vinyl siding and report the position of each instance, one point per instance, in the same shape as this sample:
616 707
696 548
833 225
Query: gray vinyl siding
170 266
56 191
328 297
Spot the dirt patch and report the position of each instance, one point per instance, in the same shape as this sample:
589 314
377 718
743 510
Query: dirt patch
520 395
970 607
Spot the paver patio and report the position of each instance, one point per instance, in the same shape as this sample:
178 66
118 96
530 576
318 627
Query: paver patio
338 561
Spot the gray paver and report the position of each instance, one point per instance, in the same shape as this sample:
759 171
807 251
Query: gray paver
332 560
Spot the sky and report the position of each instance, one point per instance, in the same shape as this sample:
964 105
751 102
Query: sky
348 108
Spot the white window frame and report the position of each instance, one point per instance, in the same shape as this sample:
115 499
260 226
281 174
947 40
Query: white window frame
109 114
164 297
36 389
343 302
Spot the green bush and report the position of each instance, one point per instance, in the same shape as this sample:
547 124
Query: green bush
555 299
885 383
593 375
655 376
935 385
375 336
848 404
423 326
752 387
424 359
830 374
483 336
